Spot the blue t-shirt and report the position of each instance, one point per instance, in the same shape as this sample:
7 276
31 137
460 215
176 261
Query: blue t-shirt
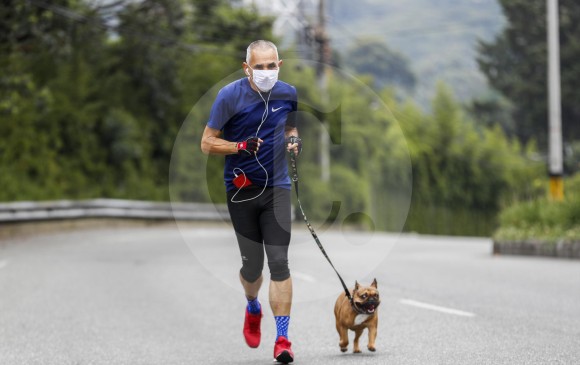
238 111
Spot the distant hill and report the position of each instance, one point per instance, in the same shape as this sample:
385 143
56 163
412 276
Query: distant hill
438 36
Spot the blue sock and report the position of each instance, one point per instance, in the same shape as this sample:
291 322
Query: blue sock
254 306
282 323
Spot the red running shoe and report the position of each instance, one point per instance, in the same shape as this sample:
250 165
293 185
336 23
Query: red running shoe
282 351
252 332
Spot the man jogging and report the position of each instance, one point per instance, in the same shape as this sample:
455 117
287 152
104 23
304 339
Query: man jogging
253 123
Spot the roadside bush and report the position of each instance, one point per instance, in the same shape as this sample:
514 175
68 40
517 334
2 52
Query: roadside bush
541 219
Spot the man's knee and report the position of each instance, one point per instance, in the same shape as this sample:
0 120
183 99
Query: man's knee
251 273
279 270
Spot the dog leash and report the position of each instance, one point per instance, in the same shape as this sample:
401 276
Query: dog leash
313 233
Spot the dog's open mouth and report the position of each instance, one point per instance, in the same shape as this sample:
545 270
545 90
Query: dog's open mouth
369 307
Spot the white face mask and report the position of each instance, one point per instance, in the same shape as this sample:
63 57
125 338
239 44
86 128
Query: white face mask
265 79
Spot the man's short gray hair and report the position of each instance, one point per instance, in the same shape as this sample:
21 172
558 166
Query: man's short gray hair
262 44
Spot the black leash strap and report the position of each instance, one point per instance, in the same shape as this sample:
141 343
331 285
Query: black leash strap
295 180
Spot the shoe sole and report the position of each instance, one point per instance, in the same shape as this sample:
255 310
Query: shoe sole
253 347
284 357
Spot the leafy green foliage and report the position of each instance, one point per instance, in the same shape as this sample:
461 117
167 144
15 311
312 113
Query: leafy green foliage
93 111
87 110
388 68
515 63
541 219
454 174
457 164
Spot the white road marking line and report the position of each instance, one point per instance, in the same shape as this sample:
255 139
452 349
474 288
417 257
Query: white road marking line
3 264
302 276
437 308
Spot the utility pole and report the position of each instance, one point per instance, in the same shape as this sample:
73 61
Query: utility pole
555 104
312 43
322 40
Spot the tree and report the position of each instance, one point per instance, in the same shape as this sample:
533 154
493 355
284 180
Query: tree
225 23
387 67
92 95
492 109
49 109
515 63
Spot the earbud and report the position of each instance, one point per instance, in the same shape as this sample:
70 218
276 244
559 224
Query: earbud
247 72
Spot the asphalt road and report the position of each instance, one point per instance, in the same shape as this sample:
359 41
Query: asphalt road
163 296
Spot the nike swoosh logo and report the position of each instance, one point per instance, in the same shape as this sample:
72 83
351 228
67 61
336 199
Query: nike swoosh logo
275 110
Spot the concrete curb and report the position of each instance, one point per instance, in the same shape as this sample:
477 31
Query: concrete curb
561 249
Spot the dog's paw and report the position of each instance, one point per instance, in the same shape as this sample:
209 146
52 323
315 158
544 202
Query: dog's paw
371 348
356 351
343 349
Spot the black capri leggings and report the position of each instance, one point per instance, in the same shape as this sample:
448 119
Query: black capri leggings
262 224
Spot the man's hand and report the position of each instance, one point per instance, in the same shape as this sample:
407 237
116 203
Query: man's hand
294 144
249 147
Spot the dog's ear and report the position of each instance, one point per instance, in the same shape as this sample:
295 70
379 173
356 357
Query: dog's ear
355 286
374 284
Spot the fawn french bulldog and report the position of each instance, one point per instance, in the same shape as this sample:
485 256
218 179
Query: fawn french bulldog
358 316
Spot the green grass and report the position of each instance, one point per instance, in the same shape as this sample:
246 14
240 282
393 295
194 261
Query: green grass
543 220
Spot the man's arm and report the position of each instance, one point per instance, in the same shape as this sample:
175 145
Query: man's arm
211 143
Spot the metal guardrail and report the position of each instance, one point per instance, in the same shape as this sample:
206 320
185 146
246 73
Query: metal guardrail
110 208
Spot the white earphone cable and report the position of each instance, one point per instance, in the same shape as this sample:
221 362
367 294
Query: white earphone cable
264 116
